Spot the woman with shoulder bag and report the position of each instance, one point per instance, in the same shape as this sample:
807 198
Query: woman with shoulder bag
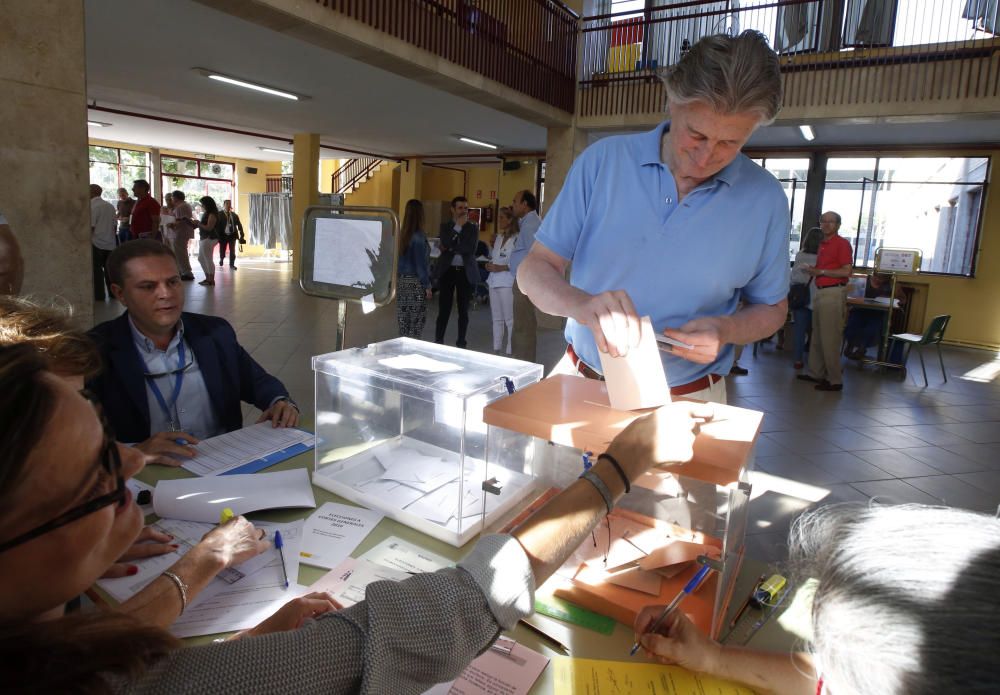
210 230
800 293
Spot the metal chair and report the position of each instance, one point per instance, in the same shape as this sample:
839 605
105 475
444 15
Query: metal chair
932 336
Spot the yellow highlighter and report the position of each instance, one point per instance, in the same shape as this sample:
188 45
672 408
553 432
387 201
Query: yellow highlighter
226 516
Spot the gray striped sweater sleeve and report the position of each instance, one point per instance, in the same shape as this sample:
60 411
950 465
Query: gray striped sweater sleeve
403 638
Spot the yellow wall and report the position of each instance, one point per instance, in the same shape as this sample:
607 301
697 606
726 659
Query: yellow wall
326 169
376 191
485 180
441 184
513 182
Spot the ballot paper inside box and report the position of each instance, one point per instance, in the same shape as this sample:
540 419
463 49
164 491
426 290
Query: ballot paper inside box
673 519
399 428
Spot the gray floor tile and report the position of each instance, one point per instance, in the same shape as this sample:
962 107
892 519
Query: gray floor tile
847 467
978 432
957 493
932 434
850 440
801 442
897 463
944 460
895 492
797 468
891 437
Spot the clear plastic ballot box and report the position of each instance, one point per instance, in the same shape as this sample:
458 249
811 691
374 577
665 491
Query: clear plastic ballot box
399 428
675 518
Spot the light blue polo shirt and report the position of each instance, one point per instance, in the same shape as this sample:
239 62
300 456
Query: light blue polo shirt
618 220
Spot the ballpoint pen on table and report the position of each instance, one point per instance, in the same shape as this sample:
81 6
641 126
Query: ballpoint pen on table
688 588
279 544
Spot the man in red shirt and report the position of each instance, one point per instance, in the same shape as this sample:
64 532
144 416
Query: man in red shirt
834 264
145 222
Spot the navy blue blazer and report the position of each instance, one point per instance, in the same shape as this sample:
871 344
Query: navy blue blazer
231 374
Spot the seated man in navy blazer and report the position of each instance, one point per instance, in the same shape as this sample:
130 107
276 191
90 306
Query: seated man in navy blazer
172 378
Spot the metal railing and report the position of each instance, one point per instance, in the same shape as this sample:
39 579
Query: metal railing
353 173
624 54
527 45
278 184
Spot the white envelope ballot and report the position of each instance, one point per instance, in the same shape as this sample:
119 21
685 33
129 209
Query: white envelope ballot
203 499
637 380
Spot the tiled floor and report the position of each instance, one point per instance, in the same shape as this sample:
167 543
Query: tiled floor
882 437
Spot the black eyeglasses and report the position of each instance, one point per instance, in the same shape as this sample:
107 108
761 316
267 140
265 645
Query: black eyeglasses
111 462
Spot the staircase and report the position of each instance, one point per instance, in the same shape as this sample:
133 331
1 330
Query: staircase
353 173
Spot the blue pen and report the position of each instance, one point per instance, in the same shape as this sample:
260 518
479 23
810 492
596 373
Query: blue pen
688 588
279 544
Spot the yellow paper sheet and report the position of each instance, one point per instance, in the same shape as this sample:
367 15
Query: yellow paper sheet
597 677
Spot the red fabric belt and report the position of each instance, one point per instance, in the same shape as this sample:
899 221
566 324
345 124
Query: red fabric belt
697 385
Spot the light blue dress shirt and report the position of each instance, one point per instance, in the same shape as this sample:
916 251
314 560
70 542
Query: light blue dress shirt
193 410
528 226
617 218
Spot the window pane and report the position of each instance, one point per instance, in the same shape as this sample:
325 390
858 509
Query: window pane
792 174
105 176
103 154
937 169
135 158
174 165
217 170
220 191
850 168
131 174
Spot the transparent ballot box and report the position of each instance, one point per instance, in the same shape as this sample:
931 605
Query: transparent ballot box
399 428
674 520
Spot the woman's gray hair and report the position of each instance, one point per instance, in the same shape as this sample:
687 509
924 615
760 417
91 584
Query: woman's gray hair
734 74
907 600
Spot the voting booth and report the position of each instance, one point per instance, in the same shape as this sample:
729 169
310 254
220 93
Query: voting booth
399 428
674 520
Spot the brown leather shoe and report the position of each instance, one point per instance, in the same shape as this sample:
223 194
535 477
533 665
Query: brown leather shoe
808 377
827 386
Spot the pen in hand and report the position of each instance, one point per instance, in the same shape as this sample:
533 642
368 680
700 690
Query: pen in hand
688 588
279 543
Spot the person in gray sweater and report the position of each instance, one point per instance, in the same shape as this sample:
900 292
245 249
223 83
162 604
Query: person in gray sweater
66 515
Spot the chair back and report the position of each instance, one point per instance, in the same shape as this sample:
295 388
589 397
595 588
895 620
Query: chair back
935 331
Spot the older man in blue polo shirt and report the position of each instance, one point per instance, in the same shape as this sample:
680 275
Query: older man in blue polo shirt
675 224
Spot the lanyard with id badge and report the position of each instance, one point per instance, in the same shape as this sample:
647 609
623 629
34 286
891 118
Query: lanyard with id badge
170 411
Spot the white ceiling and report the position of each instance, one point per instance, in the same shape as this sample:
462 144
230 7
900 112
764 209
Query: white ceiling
140 55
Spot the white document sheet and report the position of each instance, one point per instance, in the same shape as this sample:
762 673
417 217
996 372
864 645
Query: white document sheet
405 557
203 499
333 531
347 581
246 603
420 363
234 449
410 467
637 380
508 668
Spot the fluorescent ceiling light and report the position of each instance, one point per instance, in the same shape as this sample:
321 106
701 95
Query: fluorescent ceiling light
807 132
477 142
276 151
250 85
98 124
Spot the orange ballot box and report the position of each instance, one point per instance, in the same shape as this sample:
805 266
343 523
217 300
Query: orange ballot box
675 519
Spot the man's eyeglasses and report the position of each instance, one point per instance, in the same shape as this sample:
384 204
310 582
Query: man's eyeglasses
111 462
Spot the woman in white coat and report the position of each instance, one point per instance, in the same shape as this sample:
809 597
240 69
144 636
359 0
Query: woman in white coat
501 280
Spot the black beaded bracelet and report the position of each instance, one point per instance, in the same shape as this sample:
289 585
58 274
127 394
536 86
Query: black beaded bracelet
621 473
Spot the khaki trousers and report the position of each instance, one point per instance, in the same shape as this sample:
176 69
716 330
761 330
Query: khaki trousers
829 314
525 334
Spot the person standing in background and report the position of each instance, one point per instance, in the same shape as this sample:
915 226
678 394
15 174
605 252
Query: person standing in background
456 271
232 235
414 280
212 226
183 230
801 306
124 209
145 220
102 239
501 280
167 234
525 209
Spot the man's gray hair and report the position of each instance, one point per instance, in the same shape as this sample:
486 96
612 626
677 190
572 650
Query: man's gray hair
733 74
907 599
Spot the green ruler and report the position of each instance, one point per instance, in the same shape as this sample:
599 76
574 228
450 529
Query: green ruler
563 610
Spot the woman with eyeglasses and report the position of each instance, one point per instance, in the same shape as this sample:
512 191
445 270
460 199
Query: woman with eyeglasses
65 515
73 357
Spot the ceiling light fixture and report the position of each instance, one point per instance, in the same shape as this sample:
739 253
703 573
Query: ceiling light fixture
98 124
476 142
276 151
807 132
219 77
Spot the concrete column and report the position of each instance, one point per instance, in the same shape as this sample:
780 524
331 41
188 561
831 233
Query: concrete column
305 189
812 208
411 178
563 146
156 181
43 147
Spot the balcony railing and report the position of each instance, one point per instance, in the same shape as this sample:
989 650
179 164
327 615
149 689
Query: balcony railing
624 54
278 184
527 45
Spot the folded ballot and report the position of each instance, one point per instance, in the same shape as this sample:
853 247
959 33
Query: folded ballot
203 499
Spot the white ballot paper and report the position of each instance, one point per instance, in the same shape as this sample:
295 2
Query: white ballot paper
333 531
506 668
405 557
347 581
203 499
637 380
252 599
238 448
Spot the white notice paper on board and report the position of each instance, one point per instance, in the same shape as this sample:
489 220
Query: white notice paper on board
637 380
341 252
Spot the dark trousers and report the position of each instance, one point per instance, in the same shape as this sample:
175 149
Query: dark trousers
99 257
231 243
453 282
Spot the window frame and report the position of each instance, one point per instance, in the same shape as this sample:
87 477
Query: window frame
118 164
